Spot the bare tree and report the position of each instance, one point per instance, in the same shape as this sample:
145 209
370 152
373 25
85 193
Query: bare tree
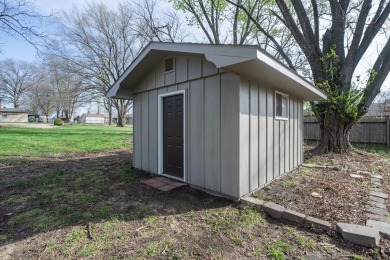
16 78
98 44
42 99
19 18
161 26
67 88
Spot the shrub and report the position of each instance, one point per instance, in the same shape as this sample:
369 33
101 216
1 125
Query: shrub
58 122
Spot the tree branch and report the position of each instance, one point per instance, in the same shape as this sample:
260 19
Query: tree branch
347 70
261 29
370 33
379 73
316 22
310 50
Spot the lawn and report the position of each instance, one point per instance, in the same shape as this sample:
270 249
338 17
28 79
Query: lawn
23 141
88 203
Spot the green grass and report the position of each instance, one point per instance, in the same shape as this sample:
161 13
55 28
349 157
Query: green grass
302 241
376 149
18 219
277 250
289 182
155 248
15 200
51 200
22 141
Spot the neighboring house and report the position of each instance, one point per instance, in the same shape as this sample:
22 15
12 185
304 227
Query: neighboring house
13 115
128 119
92 119
224 119
379 109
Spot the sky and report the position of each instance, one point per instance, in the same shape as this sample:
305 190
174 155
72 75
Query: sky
19 49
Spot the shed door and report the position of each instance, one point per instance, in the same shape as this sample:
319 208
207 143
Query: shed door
173 136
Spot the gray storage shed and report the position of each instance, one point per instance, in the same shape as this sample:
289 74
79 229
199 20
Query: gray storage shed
225 119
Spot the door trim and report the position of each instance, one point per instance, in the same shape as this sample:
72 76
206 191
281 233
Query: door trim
160 119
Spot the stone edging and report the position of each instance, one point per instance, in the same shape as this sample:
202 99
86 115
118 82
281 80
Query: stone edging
367 236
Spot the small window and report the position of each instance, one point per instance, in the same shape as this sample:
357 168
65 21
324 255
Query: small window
169 64
281 106
4 114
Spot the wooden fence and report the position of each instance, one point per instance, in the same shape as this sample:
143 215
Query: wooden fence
374 130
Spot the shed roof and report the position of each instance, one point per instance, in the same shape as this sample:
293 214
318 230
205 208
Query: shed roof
246 60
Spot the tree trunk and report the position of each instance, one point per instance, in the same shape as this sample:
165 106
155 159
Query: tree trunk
334 134
121 116
110 113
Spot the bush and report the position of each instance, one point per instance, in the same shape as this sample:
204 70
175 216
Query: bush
58 122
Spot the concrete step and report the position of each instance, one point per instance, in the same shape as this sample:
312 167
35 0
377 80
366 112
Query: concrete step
376 176
376 217
376 199
377 211
360 235
274 210
377 204
317 223
252 201
382 227
379 194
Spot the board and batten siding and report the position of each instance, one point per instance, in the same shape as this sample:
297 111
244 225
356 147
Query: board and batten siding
234 145
212 104
268 147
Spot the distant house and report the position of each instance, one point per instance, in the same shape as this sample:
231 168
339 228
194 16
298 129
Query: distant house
13 115
379 109
92 119
114 120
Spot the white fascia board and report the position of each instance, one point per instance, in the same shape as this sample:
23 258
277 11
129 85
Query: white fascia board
288 72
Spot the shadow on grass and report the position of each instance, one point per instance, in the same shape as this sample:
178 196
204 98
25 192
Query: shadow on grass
43 195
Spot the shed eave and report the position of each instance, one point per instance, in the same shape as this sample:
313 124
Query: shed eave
266 70
243 60
315 94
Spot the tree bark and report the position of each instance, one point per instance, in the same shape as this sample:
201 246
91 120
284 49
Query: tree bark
109 112
121 117
334 134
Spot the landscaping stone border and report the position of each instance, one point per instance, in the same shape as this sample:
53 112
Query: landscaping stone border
368 236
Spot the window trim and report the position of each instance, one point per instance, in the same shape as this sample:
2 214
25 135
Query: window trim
288 98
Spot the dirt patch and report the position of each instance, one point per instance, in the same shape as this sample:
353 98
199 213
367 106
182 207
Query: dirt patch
329 193
55 201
